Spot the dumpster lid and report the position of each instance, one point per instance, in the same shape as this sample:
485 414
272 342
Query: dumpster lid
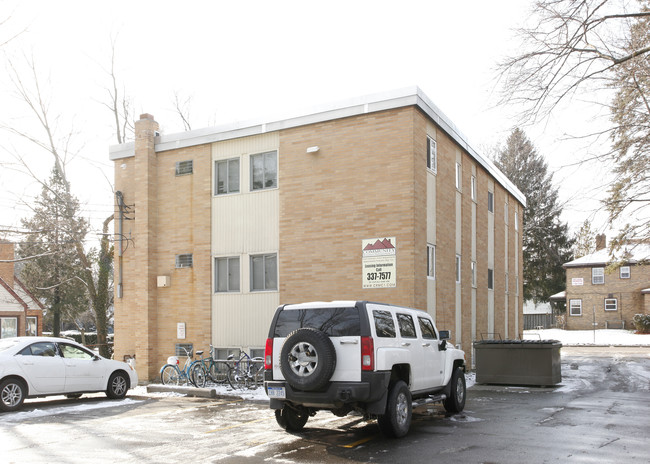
517 342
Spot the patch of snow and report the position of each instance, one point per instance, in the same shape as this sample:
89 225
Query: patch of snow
586 337
23 415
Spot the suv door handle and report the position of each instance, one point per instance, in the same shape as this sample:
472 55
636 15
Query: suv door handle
426 344
406 344
348 342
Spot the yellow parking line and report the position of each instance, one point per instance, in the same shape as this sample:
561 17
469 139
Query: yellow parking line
357 443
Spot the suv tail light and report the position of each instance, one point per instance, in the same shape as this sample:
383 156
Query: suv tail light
268 354
367 354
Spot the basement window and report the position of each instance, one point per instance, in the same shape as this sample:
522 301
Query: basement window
184 260
184 168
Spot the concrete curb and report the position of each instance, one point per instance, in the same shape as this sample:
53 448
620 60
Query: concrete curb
190 391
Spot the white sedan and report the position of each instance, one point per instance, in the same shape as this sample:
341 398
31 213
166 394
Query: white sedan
41 366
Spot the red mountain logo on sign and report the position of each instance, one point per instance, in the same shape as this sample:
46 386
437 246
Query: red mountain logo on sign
379 245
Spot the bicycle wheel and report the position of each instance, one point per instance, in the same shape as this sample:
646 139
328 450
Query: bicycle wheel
219 373
170 375
237 377
258 375
198 375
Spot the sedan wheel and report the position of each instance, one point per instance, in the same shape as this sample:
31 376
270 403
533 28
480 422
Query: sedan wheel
12 394
118 385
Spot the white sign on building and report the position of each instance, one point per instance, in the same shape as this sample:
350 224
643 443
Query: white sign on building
379 261
577 281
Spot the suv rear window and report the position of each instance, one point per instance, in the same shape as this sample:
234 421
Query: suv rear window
335 322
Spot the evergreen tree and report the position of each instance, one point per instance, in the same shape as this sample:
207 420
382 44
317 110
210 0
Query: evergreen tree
584 241
546 243
55 273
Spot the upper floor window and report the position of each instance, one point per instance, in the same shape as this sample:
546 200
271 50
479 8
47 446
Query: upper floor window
597 275
505 212
459 173
264 272
226 274
457 269
226 175
625 272
264 170
431 261
432 154
491 202
185 260
474 274
490 279
473 188
184 167
516 220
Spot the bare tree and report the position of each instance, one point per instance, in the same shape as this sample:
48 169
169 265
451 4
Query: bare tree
182 108
118 103
600 48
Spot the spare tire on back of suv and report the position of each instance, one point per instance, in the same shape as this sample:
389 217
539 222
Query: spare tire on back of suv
307 359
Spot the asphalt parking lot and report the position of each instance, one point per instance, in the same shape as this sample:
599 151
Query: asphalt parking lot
599 413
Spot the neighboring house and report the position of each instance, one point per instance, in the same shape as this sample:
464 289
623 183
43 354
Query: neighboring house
20 312
380 198
602 298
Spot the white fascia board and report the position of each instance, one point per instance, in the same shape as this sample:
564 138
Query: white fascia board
409 96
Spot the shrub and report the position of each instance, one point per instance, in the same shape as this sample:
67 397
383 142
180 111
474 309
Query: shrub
641 323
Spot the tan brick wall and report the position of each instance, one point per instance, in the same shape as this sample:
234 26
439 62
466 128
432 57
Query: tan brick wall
7 269
626 291
172 216
360 185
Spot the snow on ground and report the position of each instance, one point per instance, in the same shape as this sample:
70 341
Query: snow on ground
590 337
19 416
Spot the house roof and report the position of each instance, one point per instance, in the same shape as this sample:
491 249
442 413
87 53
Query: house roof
630 255
11 292
410 96
560 296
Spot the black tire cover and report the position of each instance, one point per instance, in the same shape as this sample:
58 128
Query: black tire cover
308 359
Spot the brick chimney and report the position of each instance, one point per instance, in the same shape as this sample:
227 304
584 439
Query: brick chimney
7 269
601 242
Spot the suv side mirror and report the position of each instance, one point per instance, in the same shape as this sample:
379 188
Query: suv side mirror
445 334
442 346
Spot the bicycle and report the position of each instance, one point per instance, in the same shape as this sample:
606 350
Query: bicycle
172 374
216 371
247 372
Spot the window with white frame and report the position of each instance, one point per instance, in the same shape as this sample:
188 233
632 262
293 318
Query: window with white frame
490 278
431 261
625 272
184 168
516 220
459 174
575 307
226 176
597 275
457 269
8 327
31 330
264 170
432 154
473 188
264 272
611 304
474 274
491 202
185 260
226 274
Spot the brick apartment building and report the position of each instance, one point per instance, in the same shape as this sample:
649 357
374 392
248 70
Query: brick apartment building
609 298
20 312
376 199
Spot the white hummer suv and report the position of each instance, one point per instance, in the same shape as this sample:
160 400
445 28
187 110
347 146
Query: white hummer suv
356 355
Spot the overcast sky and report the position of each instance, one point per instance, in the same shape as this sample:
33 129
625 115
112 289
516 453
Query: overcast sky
243 61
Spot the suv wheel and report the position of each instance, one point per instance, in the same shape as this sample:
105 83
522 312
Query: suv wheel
291 420
397 419
456 400
308 359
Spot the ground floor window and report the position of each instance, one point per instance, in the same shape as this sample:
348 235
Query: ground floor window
575 307
611 304
32 327
8 327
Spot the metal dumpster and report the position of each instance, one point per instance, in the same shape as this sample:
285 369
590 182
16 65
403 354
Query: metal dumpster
518 362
